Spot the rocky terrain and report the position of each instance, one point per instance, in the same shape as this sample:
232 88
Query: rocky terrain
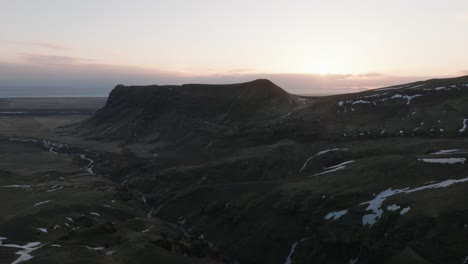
245 173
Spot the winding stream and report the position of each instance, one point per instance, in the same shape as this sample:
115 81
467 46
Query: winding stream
59 148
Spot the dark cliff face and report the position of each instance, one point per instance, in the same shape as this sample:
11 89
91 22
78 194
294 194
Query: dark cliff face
171 112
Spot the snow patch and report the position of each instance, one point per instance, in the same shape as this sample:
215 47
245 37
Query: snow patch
43 230
360 102
24 253
335 215
94 248
110 253
404 210
407 97
419 85
440 88
447 151
443 160
375 204
320 153
338 167
293 248
464 126
393 207
89 167
44 202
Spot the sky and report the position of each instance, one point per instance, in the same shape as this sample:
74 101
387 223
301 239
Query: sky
86 47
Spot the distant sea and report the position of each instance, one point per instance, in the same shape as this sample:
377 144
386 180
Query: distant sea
53 92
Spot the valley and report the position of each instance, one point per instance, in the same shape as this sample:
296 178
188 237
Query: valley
242 173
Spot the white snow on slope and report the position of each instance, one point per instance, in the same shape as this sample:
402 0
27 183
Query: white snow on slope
110 253
464 126
24 253
338 167
293 248
440 88
335 215
393 207
94 248
44 202
405 210
375 205
89 167
446 151
419 85
443 160
55 188
361 102
320 153
407 97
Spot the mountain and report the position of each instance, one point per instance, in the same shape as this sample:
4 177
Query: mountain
430 108
171 112
269 177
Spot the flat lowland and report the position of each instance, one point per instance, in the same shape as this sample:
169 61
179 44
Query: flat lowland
59 207
40 116
52 103
45 117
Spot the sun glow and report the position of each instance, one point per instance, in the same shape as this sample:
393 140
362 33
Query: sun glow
322 67
324 64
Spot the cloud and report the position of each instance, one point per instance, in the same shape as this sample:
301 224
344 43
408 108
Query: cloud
49 45
240 70
45 75
370 75
34 58
42 45
464 72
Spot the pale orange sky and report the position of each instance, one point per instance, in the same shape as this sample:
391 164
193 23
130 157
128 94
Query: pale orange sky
332 45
